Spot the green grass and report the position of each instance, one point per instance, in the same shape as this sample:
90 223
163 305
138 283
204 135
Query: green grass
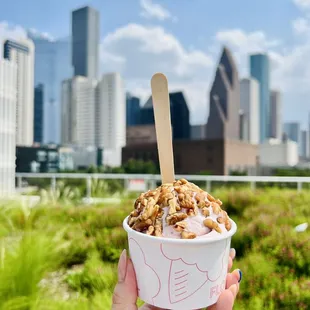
62 255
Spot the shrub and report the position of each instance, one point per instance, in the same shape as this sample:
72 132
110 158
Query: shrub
110 243
22 267
95 277
289 248
57 236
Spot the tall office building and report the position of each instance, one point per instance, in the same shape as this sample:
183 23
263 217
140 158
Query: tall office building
52 66
94 114
132 110
305 141
85 42
38 123
78 111
259 67
8 97
243 126
292 132
180 116
22 54
111 117
223 121
249 103
275 115
147 113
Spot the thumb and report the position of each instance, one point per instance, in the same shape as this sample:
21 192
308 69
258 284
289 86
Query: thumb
125 293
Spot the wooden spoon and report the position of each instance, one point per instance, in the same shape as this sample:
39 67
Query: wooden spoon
161 104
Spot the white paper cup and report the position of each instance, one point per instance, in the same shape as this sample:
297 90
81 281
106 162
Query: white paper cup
179 274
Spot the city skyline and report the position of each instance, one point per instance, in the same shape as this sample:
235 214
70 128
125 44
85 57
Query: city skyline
191 54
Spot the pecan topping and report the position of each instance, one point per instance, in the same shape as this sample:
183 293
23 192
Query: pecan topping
228 225
180 226
176 217
158 228
141 225
183 181
187 202
187 235
150 230
216 208
205 211
182 199
220 220
212 225
173 205
210 198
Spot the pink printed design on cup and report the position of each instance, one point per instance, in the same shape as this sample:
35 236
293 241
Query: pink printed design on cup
186 277
144 271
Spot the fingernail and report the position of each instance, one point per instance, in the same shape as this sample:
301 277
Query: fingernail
240 275
122 266
232 252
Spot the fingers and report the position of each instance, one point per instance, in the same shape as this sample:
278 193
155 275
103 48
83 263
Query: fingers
232 255
230 263
125 293
227 298
233 278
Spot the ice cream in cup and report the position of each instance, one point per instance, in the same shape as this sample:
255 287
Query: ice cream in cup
179 235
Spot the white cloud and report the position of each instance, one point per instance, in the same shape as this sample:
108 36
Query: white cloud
139 51
11 31
302 4
246 42
243 44
155 10
301 26
35 33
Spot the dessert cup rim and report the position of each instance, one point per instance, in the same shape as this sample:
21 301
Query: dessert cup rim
196 241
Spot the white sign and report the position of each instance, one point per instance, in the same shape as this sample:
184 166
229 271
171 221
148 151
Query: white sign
136 185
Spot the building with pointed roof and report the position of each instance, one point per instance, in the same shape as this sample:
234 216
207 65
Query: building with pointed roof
223 121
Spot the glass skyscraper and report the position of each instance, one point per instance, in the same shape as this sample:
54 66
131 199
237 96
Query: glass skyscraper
38 113
293 132
85 42
179 115
52 66
259 67
132 110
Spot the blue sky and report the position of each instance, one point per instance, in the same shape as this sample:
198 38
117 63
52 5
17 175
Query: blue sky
183 39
